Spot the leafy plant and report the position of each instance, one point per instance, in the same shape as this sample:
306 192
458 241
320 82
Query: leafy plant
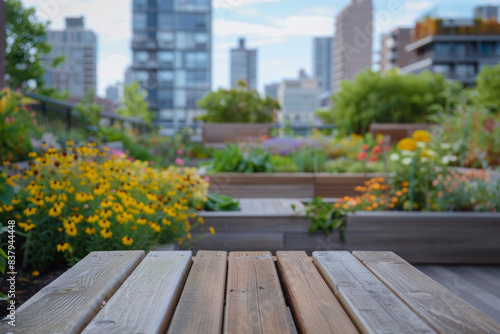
309 159
134 103
221 203
232 159
324 217
283 164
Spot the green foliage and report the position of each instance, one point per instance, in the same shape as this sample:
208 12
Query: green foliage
488 87
134 103
346 165
233 159
309 159
283 164
16 127
221 203
89 113
324 217
387 98
237 105
25 36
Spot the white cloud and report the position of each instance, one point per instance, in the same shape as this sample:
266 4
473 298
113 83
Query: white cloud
110 69
418 5
291 26
236 3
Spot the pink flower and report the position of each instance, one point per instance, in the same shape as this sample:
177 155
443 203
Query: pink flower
380 141
373 158
364 147
179 161
117 153
376 150
206 178
151 163
387 148
361 155
180 152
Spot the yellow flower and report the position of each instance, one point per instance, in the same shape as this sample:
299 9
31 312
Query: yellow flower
92 219
51 199
106 213
26 226
407 144
117 207
32 155
104 224
141 221
30 211
90 230
35 273
127 241
200 220
106 233
55 211
81 197
62 198
62 247
156 227
106 203
166 221
8 207
212 230
71 231
422 136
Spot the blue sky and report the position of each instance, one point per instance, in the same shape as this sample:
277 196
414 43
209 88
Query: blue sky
281 30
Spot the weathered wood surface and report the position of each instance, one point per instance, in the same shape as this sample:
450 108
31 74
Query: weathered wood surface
201 306
221 133
68 303
438 306
254 302
477 285
313 305
339 185
147 299
369 303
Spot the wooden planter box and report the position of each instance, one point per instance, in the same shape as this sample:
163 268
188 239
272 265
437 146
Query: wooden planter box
218 134
396 131
418 237
287 185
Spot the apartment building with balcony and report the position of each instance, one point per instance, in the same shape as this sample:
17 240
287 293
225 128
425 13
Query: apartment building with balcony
392 50
456 48
171 48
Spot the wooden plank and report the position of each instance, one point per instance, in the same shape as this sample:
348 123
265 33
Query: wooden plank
438 306
147 299
68 303
254 300
313 305
369 303
201 306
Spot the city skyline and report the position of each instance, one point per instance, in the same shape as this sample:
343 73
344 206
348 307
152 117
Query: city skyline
282 33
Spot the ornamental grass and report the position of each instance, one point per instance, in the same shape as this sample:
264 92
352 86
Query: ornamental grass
72 202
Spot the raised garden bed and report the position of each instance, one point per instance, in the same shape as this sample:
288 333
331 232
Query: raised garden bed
418 237
287 185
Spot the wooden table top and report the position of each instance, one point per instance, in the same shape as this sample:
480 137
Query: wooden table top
246 292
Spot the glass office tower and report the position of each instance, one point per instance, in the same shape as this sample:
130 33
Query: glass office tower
171 47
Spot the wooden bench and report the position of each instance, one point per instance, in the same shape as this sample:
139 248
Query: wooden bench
246 292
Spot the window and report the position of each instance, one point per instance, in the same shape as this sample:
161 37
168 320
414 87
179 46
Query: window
139 21
165 38
487 49
165 76
166 114
196 60
152 20
191 22
165 98
193 97
465 70
165 5
442 49
192 5
165 57
166 21
140 57
189 40
180 98
197 79
441 69
180 78
141 76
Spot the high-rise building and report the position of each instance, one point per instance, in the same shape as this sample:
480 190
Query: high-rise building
77 73
458 50
271 90
353 41
298 99
486 12
322 62
112 93
244 65
171 48
392 51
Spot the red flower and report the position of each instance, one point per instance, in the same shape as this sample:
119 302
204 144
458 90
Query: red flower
376 150
362 155
365 147
387 148
380 141
373 158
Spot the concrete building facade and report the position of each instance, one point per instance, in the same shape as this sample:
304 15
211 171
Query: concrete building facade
353 41
78 72
243 65
392 49
322 62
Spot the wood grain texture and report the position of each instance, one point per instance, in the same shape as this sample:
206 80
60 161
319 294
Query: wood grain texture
438 306
146 301
369 303
314 307
201 306
68 303
254 300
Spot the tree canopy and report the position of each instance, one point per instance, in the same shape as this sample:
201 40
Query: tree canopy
133 103
237 105
388 98
25 36
488 87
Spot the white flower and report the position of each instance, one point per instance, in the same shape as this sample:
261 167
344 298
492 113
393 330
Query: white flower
424 159
408 153
452 157
394 157
445 160
420 144
406 161
445 146
431 153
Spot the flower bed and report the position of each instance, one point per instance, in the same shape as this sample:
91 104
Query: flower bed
80 200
